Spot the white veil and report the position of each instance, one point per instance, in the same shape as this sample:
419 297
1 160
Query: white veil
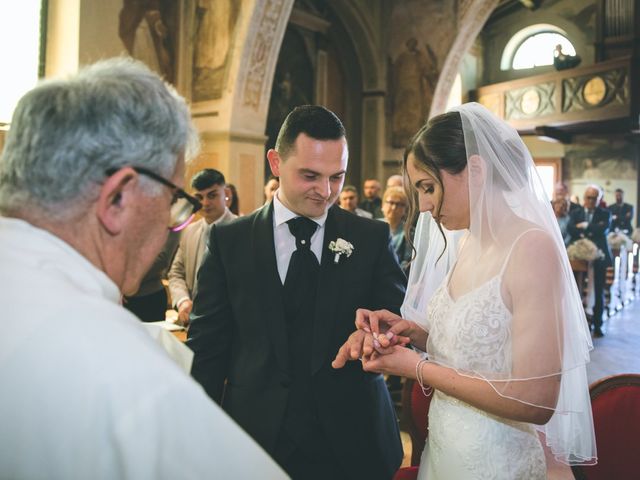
507 203
433 260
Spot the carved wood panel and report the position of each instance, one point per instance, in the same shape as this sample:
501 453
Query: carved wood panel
582 92
530 102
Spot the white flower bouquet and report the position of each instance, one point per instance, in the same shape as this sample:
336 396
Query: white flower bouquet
618 239
584 249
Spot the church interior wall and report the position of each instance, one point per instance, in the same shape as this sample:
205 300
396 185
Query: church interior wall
293 82
344 93
371 62
471 70
318 63
609 160
420 35
62 41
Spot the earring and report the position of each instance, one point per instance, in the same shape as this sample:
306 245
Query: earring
226 198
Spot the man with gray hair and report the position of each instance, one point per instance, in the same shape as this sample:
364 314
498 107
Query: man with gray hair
89 187
593 222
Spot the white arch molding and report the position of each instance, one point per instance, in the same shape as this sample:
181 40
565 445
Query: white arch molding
257 63
474 16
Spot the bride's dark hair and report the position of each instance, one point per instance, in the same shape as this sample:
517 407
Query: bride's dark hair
438 145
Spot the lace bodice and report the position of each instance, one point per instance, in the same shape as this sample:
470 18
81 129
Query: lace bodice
472 332
464 442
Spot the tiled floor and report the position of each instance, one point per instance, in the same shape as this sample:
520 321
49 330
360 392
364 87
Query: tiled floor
619 350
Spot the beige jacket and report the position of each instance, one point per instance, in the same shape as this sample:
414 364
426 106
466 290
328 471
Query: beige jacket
193 242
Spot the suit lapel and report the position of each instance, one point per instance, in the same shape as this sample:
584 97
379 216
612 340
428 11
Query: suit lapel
329 288
268 282
196 242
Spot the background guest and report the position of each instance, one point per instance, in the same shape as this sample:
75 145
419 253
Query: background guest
561 211
395 181
394 209
372 202
233 200
621 213
348 200
562 191
593 222
209 186
563 61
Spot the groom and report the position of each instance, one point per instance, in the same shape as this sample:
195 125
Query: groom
276 299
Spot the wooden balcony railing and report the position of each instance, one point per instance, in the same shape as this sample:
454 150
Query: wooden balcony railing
567 98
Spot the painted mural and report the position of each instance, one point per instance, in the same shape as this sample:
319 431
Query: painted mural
147 29
215 25
610 164
421 34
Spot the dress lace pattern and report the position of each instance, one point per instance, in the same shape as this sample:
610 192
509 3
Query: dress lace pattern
465 442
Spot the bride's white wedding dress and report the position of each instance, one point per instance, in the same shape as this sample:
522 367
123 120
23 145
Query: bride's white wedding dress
473 332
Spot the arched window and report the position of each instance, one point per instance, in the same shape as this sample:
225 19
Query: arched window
533 46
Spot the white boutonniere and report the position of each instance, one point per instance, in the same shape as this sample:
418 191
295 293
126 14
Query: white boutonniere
340 247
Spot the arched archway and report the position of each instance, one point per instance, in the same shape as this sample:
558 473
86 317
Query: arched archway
473 18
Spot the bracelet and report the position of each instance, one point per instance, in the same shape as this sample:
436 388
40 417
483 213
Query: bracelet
427 391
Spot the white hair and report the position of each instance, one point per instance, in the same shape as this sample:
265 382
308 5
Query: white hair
598 188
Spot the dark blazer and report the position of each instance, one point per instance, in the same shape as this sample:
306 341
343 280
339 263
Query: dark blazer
238 333
621 216
596 231
574 206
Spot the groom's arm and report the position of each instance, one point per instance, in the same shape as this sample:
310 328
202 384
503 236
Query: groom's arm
211 330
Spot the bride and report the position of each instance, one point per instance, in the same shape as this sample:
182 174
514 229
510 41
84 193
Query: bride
499 318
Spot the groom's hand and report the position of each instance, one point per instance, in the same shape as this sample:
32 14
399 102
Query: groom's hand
359 345
378 331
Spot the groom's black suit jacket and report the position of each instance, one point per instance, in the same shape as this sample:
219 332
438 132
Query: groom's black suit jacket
238 333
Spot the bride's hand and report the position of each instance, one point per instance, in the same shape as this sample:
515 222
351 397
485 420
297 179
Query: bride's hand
377 330
396 360
387 328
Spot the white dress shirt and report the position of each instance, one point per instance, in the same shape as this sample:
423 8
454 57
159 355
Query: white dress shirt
285 242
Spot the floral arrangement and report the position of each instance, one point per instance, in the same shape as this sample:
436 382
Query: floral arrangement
340 247
584 249
635 236
618 239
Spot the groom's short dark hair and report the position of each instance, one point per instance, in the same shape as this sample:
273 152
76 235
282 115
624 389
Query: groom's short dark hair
314 121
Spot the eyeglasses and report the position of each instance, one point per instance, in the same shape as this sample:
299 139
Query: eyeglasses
590 197
183 205
395 204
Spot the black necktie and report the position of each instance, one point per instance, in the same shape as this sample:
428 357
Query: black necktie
303 263
299 300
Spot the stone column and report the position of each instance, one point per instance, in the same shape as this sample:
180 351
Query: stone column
373 135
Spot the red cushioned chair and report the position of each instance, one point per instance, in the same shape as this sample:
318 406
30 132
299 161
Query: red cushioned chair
406 473
615 402
415 410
